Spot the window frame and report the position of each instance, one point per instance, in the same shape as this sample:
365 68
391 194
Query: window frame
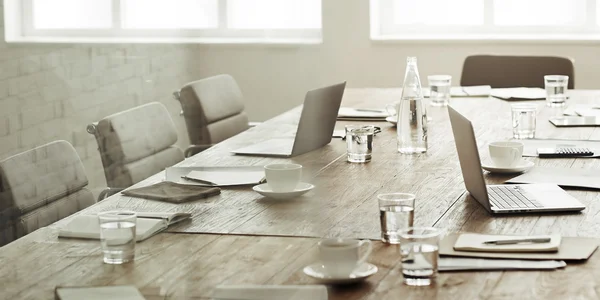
221 34
383 27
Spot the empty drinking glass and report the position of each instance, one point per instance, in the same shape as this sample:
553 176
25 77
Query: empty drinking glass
396 212
117 236
556 90
524 120
359 139
419 248
439 87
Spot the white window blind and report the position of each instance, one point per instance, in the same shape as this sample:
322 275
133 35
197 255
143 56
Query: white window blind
222 20
483 19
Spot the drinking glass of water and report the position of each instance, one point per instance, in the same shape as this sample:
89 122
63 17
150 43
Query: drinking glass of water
556 90
439 87
117 236
419 248
359 139
396 212
524 120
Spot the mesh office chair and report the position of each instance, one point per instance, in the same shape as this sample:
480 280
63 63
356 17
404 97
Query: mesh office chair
501 71
39 187
135 144
213 109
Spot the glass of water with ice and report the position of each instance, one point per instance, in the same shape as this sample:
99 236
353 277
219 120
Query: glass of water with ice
419 249
396 212
439 89
556 90
117 236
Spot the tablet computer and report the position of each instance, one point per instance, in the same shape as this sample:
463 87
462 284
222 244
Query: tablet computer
573 121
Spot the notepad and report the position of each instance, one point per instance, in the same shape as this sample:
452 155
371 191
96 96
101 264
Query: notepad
122 292
475 242
147 225
226 177
520 93
349 113
465 91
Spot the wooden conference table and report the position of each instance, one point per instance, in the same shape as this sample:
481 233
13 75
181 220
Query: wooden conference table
239 237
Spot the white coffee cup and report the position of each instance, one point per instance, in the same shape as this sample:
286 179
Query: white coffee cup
392 108
283 177
506 154
340 257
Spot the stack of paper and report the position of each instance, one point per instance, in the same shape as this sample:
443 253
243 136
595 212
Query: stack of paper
217 176
147 225
362 114
477 243
478 264
465 91
520 93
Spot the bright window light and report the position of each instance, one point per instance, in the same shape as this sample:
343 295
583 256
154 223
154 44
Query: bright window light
539 12
272 14
438 12
169 14
72 14
524 20
187 21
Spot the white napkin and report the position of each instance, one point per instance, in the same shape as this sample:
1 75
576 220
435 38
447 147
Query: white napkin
270 292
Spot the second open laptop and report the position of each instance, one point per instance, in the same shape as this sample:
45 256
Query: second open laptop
505 198
315 128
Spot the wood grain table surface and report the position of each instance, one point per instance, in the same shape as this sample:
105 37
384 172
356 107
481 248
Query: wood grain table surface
241 237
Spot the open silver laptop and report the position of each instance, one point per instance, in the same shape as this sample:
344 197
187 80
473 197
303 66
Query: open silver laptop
315 128
513 198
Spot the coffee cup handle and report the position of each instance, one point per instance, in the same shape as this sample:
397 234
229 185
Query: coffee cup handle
367 253
516 156
391 109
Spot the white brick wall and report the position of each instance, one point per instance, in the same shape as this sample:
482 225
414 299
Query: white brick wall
51 92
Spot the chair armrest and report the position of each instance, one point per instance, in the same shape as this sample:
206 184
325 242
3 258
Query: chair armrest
107 192
195 149
254 124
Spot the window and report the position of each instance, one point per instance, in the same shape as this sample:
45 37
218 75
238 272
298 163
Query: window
206 20
485 19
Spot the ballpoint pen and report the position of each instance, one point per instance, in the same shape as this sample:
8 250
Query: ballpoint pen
518 241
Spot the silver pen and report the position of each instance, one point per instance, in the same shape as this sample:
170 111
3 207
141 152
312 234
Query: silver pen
518 241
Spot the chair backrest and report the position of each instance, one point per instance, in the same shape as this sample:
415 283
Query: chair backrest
136 144
39 187
514 71
213 109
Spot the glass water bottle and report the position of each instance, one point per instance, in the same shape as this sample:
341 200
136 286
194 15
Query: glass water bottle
412 116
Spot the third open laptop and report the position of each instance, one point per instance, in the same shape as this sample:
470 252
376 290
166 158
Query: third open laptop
315 128
505 198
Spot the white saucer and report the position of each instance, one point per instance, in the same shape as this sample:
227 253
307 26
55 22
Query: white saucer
265 190
392 119
317 271
523 166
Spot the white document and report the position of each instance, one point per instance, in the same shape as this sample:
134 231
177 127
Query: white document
475 242
530 146
147 225
475 264
583 178
270 292
520 93
124 292
465 91
349 113
219 176
226 178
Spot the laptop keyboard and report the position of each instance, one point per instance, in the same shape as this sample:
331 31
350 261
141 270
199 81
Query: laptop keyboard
510 197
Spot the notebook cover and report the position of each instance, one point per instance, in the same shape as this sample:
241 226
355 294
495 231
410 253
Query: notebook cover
571 248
